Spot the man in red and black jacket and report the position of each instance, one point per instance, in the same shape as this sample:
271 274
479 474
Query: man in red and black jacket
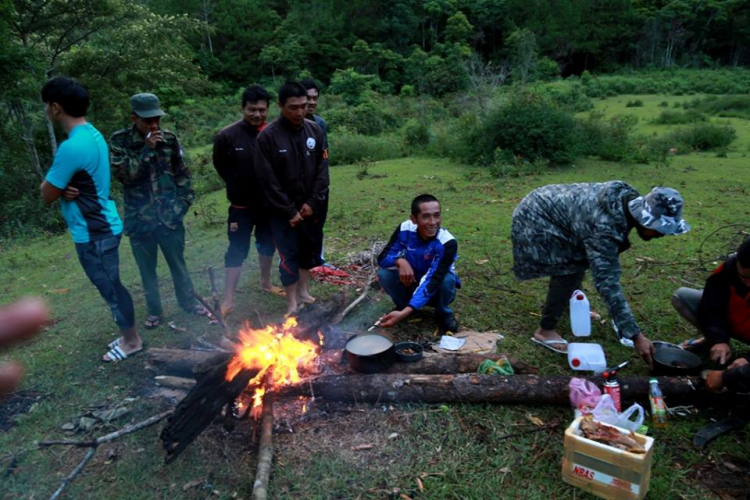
291 163
233 157
721 311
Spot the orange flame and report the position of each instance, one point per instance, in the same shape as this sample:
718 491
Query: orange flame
273 348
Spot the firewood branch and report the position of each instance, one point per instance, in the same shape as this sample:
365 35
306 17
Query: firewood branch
93 446
265 450
370 279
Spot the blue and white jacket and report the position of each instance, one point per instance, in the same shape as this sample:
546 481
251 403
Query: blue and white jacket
431 260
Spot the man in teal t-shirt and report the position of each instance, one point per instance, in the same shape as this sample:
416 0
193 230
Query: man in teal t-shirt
79 178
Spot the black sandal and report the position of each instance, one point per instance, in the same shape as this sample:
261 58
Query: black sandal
152 322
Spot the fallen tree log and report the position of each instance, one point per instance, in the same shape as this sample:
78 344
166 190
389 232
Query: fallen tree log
476 388
181 362
189 363
437 364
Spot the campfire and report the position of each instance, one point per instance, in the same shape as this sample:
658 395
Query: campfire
275 354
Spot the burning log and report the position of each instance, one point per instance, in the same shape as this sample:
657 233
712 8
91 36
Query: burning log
476 388
267 357
188 363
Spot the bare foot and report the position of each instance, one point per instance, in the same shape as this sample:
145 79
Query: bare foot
543 335
595 316
273 289
306 298
291 305
227 308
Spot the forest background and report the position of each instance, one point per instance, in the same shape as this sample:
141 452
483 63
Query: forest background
451 78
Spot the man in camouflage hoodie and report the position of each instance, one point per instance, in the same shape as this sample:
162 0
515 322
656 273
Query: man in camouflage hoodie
149 162
561 230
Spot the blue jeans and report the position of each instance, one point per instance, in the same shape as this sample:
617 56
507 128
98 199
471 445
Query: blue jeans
100 260
401 295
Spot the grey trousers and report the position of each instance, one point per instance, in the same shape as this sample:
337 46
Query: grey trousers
686 302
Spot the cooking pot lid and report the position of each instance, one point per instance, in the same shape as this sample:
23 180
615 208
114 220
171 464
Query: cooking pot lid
368 344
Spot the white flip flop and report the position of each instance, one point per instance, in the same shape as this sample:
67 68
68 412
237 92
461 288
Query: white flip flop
548 344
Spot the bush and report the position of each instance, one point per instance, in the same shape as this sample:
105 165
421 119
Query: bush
701 137
203 175
453 138
668 117
569 96
673 81
367 118
415 133
634 104
664 104
407 91
348 148
729 106
507 165
611 140
527 126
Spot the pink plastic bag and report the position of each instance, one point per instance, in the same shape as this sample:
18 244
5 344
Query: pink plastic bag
584 395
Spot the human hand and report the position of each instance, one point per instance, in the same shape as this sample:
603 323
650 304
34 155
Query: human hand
644 348
153 138
295 220
306 211
738 362
405 272
720 353
714 380
394 317
70 193
18 321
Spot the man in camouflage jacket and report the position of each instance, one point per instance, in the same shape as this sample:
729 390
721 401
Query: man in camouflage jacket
562 230
149 163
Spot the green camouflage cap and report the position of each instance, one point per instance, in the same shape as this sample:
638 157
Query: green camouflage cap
146 105
660 210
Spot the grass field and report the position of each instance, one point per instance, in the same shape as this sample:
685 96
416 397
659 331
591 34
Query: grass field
456 451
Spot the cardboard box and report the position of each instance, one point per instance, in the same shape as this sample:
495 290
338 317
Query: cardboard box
605 471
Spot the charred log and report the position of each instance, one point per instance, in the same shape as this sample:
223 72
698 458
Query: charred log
200 407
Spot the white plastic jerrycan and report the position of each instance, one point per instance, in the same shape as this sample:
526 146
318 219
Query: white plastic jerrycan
580 314
586 357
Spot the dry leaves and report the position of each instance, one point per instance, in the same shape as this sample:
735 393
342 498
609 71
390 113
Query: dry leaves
534 420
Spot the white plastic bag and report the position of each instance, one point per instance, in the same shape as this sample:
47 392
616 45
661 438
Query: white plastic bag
626 418
605 411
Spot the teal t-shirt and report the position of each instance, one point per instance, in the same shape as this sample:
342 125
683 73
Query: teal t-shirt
82 161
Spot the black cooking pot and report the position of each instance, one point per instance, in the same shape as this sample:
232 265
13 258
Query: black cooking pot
370 352
671 361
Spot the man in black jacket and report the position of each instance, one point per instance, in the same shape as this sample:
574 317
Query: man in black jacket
291 163
233 157
721 311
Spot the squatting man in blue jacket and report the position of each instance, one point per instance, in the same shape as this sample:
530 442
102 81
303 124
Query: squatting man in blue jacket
417 266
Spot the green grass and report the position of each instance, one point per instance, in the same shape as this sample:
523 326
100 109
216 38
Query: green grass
459 445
